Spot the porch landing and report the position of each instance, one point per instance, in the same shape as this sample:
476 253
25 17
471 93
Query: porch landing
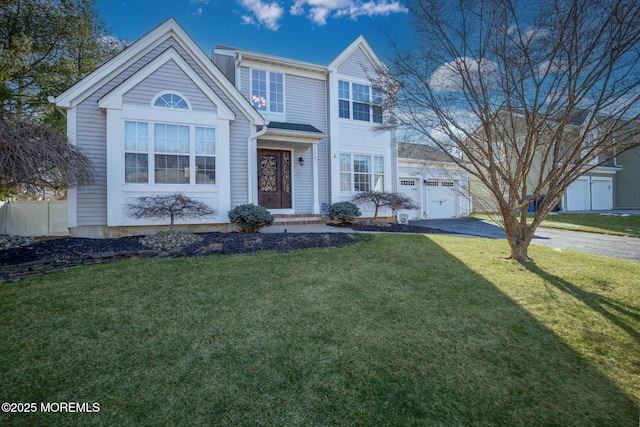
298 219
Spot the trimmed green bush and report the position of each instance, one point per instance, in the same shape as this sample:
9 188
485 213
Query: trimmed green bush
344 211
250 218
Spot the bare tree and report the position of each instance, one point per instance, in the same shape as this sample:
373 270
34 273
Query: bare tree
382 198
36 158
525 96
173 206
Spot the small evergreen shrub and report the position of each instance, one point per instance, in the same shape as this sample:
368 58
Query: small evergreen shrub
344 211
250 218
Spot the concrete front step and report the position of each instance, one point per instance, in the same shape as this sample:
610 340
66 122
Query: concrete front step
298 219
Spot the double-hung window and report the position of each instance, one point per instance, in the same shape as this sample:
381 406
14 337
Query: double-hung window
267 91
136 152
359 102
361 172
205 151
171 150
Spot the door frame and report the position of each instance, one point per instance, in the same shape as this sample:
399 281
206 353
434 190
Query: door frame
279 151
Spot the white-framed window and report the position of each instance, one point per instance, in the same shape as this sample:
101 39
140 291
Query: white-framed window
171 100
171 153
361 172
136 152
344 99
267 91
359 102
180 154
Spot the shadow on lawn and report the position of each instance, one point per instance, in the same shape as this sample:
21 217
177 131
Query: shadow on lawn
393 330
607 308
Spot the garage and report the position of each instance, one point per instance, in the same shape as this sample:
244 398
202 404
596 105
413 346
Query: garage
590 193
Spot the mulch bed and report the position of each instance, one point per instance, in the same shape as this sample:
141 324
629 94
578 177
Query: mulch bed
212 243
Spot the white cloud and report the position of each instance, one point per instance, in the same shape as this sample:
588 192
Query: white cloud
266 14
449 77
198 12
319 11
199 1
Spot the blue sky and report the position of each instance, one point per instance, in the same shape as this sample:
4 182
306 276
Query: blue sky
307 30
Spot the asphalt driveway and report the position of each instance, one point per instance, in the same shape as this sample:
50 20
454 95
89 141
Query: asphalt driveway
627 248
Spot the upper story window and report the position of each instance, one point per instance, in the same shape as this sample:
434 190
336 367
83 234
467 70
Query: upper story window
171 100
359 102
267 91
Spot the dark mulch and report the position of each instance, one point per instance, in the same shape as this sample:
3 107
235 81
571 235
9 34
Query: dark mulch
213 243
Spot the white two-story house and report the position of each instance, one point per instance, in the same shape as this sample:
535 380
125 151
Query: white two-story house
234 128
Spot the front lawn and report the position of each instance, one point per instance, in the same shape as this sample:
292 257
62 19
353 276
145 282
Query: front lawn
394 330
615 224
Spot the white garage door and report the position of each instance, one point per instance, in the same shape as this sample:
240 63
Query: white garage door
585 194
601 194
410 187
442 199
578 195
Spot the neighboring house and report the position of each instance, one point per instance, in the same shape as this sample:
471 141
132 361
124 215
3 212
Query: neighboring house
162 117
595 189
609 185
627 180
433 181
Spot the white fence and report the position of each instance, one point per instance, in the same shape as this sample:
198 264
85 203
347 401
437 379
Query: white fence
47 218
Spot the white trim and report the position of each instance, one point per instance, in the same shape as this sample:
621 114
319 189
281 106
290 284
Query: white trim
114 99
289 66
72 193
218 195
132 54
314 180
170 92
277 115
359 43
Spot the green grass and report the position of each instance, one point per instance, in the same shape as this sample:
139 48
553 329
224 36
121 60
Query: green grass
595 223
394 330
613 224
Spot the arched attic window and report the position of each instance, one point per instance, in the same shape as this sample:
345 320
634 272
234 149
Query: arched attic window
171 100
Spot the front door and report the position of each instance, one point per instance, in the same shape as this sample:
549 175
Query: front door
274 179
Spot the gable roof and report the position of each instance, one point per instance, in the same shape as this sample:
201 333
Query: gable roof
423 152
359 43
113 99
168 29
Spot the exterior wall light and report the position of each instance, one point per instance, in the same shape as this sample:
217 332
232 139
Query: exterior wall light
300 160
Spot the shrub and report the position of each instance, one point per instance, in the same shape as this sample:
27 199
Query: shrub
173 206
394 201
250 218
344 211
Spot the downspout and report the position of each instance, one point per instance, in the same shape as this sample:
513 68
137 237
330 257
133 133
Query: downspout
252 159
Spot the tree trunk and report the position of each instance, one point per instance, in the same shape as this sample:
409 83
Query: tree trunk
171 223
520 251
519 233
